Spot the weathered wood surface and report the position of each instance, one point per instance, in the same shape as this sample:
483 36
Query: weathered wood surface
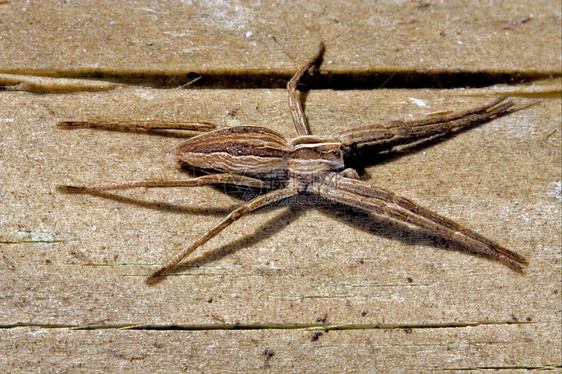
52 37
385 297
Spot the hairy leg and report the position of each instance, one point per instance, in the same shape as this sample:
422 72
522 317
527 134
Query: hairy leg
233 179
299 118
401 132
387 204
138 125
249 207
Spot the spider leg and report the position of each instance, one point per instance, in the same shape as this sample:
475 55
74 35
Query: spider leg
299 118
401 132
249 207
387 204
138 125
233 179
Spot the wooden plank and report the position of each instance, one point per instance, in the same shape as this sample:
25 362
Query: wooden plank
383 295
87 36
79 261
485 349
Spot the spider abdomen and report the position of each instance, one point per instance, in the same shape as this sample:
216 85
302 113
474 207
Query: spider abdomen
246 150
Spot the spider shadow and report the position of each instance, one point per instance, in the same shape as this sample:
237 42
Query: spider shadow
352 217
288 214
243 194
161 206
408 235
164 133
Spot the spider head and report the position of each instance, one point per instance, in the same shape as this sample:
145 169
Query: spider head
312 156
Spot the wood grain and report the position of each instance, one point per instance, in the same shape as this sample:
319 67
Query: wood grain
146 38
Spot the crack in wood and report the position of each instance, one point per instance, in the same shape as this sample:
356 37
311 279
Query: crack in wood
265 326
334 80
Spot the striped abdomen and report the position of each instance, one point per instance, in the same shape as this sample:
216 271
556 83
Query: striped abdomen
246 150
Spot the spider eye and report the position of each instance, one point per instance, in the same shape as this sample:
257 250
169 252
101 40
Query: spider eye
340 151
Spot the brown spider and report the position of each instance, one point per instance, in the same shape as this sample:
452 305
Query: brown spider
256 157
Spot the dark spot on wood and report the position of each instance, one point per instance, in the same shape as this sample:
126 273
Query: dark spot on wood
323 319
267 354
316 336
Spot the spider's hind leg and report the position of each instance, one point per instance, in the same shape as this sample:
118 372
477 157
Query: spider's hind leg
229 179
349 173
236 214
137 125
387 204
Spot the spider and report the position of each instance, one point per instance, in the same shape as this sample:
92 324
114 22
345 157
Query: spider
257 157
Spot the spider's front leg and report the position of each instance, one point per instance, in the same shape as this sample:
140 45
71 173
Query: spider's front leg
387 204
403 132
299 118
